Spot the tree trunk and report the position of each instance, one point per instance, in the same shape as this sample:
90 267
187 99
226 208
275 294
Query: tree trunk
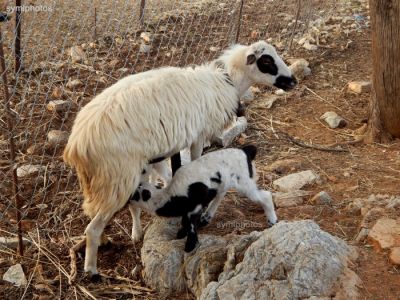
385 98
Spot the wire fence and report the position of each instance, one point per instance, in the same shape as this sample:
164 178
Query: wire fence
72 50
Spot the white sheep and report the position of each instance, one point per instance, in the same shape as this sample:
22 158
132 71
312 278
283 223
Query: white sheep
200 182
135 121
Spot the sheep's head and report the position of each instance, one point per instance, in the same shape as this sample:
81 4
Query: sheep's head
267 67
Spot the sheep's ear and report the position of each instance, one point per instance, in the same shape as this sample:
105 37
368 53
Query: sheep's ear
251 58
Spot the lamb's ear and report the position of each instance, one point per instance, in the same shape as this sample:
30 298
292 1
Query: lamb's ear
251 59
198 191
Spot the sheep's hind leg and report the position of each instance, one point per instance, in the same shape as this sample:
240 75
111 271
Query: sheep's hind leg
94 232
207 216
265 199
137 232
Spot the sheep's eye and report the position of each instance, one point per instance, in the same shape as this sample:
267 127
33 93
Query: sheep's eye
266 59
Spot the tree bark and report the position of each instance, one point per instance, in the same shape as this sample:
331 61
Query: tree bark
384 118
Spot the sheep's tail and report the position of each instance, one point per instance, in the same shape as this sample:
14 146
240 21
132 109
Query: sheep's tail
106 176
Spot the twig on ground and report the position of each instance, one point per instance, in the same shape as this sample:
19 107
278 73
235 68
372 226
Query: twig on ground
72 255
329 148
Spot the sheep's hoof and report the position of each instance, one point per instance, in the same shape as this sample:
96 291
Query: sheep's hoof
203 223
189 247
181 233
270 224
94 278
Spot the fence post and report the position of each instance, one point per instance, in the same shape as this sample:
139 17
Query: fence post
17 49
141 11
239 21
10 124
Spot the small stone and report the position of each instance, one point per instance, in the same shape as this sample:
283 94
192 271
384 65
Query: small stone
385 234
280 92
284 166
73 83
269 102
236 128
123 70
293 198
58 105
322 198
32 149
299 68
214 49
77 54
295 181
395 256
333 120
57 137
11 242
359 87
15 275
28 170
113 63
146 36
309 46
57 93
144 48
362 235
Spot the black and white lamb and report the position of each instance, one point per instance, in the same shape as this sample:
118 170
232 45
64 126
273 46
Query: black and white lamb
198 187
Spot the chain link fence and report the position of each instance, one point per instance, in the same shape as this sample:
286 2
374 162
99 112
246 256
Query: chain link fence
72 50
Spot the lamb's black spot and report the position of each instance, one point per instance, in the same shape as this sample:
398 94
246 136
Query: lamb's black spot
144 171
175 162
135 196
156 160
266 64
198 193
146 195
251 152
217 179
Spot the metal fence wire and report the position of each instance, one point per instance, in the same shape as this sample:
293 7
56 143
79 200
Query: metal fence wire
72 50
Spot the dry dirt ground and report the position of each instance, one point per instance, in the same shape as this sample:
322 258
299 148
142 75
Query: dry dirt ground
53 216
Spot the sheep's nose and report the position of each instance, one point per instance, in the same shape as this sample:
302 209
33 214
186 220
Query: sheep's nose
285 82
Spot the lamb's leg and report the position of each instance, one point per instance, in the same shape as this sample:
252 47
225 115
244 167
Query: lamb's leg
93 233
207 216
137 232
192 238
196 149
164 171
183 231
262 197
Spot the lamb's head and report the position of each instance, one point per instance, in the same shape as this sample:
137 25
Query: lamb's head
265 66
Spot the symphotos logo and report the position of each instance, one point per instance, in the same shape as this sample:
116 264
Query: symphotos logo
29 8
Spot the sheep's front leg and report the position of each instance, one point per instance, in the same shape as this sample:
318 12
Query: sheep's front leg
207 216
164 171
192 239
137 232
196 149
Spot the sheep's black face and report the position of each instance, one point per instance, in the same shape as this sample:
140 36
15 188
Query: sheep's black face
267 67
285 82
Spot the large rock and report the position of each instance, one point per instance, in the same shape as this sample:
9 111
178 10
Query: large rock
294 260
295 181
29 170
11 242
294 252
